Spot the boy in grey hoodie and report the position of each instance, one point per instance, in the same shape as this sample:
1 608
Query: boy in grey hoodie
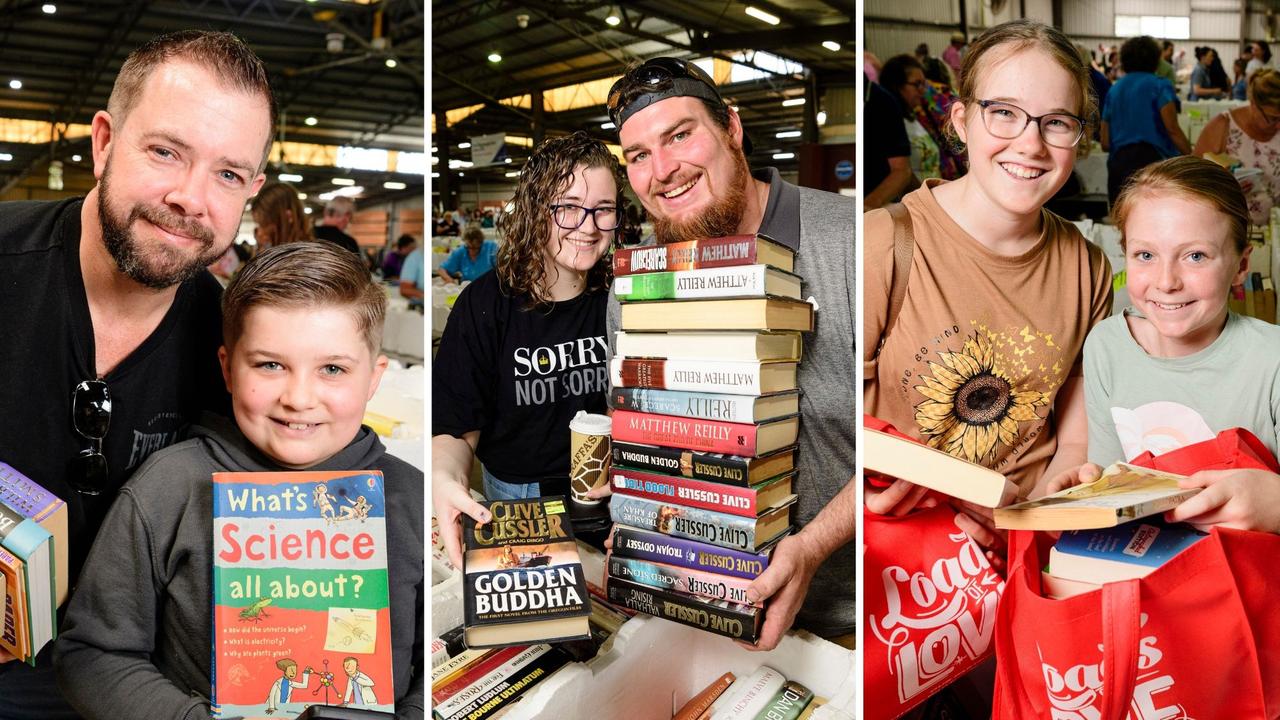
301 330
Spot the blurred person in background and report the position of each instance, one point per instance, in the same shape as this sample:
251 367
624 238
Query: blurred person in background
1249 136
903 77
475 257
1140 117
279 216
395 259
338 213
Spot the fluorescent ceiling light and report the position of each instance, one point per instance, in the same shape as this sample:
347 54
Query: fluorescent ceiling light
761 15
792 102
310 121
783 156
513 174
822 117
16 84
391 62
392 185
75 158
290 177
495 57
348 182
788 134
613 21
831 45
49 8
464 145
607 126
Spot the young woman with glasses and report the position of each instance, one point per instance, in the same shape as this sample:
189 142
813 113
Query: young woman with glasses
524 348
1248 135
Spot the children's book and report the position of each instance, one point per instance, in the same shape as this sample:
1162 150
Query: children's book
301 612
1123 493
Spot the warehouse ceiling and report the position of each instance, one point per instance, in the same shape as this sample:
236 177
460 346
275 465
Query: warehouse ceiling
67 61
549 44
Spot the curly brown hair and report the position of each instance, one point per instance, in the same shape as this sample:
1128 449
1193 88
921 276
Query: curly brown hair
526 230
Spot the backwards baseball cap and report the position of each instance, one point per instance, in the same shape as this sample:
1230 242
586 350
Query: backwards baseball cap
659 79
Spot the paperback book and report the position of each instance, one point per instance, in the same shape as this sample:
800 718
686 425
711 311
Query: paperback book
522 576
501 686
699 703
727 251
740 281
731 377
1123 552
748 695
730 531
301 613
787 703
715 467
657 547
705 405
740 622
1123 493
923 465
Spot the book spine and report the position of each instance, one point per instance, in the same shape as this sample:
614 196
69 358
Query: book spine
687 433
728 531
449 670
13 634
727 468
682 580
703 700
709 376
506 684
704 405
754 695
20 535
656 547
690 493
688 255
732 621
649 286
787 703
474 674
720 282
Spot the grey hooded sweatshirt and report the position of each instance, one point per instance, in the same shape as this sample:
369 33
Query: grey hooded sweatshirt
138 630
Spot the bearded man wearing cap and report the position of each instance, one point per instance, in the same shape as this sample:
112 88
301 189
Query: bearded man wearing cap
686 160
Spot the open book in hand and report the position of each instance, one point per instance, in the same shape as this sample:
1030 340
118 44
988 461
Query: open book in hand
1123 493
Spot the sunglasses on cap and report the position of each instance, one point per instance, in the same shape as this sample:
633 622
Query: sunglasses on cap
659 79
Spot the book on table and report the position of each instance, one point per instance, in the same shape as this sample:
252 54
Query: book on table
1123 493
923 465
301 610
767 313
522 576
711 345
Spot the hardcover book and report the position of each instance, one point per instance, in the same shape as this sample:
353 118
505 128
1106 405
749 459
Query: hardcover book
443 690
522 577
1057 588
741 281
738 314
1131 550
502 685
657 547
1123 493
740 622
301 614
787 703
731 531
711 345
451 669
749 695
706 406
705 435
745 501
716 467
935 469
710 376
33 545
682 580
31 500
727 251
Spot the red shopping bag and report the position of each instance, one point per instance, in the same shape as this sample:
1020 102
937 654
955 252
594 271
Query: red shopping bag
1199 637
929 598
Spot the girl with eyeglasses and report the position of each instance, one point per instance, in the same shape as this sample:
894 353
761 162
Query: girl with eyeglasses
524 348
1248 136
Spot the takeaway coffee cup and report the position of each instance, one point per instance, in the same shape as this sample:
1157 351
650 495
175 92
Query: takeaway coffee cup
589 454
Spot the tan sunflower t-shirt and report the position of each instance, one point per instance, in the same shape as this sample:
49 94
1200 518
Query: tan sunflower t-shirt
983 341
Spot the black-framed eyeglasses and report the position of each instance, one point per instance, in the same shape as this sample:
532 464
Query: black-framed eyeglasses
90 418
1007 121
655 76
570 217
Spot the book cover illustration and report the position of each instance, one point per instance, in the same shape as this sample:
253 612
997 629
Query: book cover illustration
523 578
301 613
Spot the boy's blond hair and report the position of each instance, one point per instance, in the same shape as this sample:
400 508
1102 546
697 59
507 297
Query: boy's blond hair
1195 179
305 275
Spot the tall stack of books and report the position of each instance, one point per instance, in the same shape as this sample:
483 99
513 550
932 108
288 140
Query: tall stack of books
33 564
706 416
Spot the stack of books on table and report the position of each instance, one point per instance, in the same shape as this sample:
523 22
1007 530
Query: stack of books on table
33 563
763 695
706 417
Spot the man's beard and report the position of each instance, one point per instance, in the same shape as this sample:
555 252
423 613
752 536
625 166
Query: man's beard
720 219
159 267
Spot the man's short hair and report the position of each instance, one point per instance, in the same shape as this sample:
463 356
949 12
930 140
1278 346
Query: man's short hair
224 55
339 206
405 241
305 275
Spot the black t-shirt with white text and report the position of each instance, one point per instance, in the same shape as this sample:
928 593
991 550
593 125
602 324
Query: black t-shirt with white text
47 348
518 376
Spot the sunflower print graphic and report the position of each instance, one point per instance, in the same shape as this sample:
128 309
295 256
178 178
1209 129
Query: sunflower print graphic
971 406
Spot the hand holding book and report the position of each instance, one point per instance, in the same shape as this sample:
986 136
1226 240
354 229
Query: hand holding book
449 501
1242 499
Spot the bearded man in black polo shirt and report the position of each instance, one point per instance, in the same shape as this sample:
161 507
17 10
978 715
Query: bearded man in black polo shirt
111 323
